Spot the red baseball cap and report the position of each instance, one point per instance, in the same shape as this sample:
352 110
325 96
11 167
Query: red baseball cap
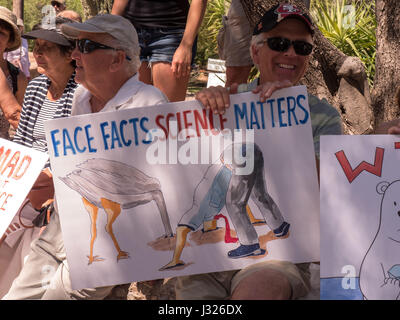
279 13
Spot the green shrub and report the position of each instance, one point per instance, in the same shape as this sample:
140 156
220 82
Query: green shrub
207 39
350 27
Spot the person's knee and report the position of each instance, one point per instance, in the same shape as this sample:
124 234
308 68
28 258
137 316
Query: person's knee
267 284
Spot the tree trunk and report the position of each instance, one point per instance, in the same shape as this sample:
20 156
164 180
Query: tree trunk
94 7
387 69
331 74
18 8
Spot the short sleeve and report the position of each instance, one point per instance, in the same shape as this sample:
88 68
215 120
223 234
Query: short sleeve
325 120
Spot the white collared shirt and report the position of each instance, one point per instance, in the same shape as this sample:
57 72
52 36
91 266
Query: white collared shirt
132 94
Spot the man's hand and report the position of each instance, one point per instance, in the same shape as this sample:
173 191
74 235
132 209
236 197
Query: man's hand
42 189
268 88
216 98
389 127
394 129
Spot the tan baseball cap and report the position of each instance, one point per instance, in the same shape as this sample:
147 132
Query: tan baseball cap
116 26
11 19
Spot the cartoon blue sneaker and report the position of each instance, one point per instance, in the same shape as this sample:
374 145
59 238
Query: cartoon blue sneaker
245 251
282 230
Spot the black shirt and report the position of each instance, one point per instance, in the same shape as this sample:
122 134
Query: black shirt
157 13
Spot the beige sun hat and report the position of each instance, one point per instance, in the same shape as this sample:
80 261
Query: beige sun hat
9 17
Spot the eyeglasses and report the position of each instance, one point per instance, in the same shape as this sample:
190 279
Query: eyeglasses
87 46
280 44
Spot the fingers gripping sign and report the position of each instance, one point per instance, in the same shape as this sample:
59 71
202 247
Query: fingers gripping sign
217 98
214 98
268 88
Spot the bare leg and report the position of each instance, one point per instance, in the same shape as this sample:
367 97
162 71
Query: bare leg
181 234
145 73
265 284
92 210
113 210
164 79
238 75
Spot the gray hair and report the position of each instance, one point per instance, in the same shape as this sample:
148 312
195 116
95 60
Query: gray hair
131 52
257 42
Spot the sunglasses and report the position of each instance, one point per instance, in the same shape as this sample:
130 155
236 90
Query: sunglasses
87 46
280 44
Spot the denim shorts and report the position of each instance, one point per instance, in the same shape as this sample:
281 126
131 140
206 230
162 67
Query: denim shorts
160 44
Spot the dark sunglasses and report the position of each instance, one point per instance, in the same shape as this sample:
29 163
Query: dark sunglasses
280 44
87 46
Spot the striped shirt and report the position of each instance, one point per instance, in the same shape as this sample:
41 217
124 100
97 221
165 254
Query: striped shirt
35 95
46 112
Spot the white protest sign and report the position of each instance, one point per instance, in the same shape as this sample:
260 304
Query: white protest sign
118 177
360 217
19 169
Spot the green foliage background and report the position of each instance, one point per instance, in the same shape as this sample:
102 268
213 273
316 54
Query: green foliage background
352 31
212 22
330 16
33 10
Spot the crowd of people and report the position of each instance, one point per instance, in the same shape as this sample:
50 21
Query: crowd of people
141 55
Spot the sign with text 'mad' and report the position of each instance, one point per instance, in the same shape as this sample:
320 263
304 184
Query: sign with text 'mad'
19 169
169 190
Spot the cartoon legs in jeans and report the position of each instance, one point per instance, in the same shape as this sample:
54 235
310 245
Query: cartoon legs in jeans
240 189
220 186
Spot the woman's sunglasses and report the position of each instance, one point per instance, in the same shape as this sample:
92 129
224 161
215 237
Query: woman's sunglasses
87 46
280 44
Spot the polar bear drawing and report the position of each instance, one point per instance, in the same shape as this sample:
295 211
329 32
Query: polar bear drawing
380 268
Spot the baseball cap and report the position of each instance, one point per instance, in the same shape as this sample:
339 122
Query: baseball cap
118 27
51 32
280 12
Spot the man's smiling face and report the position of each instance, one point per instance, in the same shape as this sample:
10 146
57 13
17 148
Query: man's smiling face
279 66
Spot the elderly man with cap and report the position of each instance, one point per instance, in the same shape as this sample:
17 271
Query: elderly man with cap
281 46
107 61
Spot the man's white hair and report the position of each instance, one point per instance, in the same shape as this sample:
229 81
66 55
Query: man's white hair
256 41
131 52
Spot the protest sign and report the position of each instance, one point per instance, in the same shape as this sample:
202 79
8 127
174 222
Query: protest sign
126 181
360 220
19 168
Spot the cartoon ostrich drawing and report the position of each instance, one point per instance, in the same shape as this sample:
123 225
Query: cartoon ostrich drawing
113 186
